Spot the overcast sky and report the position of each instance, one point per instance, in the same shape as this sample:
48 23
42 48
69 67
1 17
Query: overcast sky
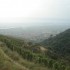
15 13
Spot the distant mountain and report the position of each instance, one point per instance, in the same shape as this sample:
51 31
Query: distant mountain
59 44
35 33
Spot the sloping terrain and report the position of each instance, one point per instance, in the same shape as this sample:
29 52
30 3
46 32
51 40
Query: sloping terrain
11 59
59 44
17 54
6 63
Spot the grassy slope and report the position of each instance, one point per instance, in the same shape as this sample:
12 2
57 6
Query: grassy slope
6 63
15 58
16 62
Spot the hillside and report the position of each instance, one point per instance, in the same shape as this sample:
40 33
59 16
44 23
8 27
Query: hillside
6 63
23 55
59 44
12 59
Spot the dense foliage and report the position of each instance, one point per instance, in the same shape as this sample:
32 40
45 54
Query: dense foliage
59 44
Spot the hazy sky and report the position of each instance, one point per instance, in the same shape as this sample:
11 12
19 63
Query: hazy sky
14 13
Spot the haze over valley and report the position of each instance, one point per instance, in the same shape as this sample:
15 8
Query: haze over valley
35 33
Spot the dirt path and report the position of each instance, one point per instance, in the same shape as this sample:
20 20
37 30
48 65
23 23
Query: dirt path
43 49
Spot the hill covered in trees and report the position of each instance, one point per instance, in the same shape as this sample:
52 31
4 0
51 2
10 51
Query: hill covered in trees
59 44
17 54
